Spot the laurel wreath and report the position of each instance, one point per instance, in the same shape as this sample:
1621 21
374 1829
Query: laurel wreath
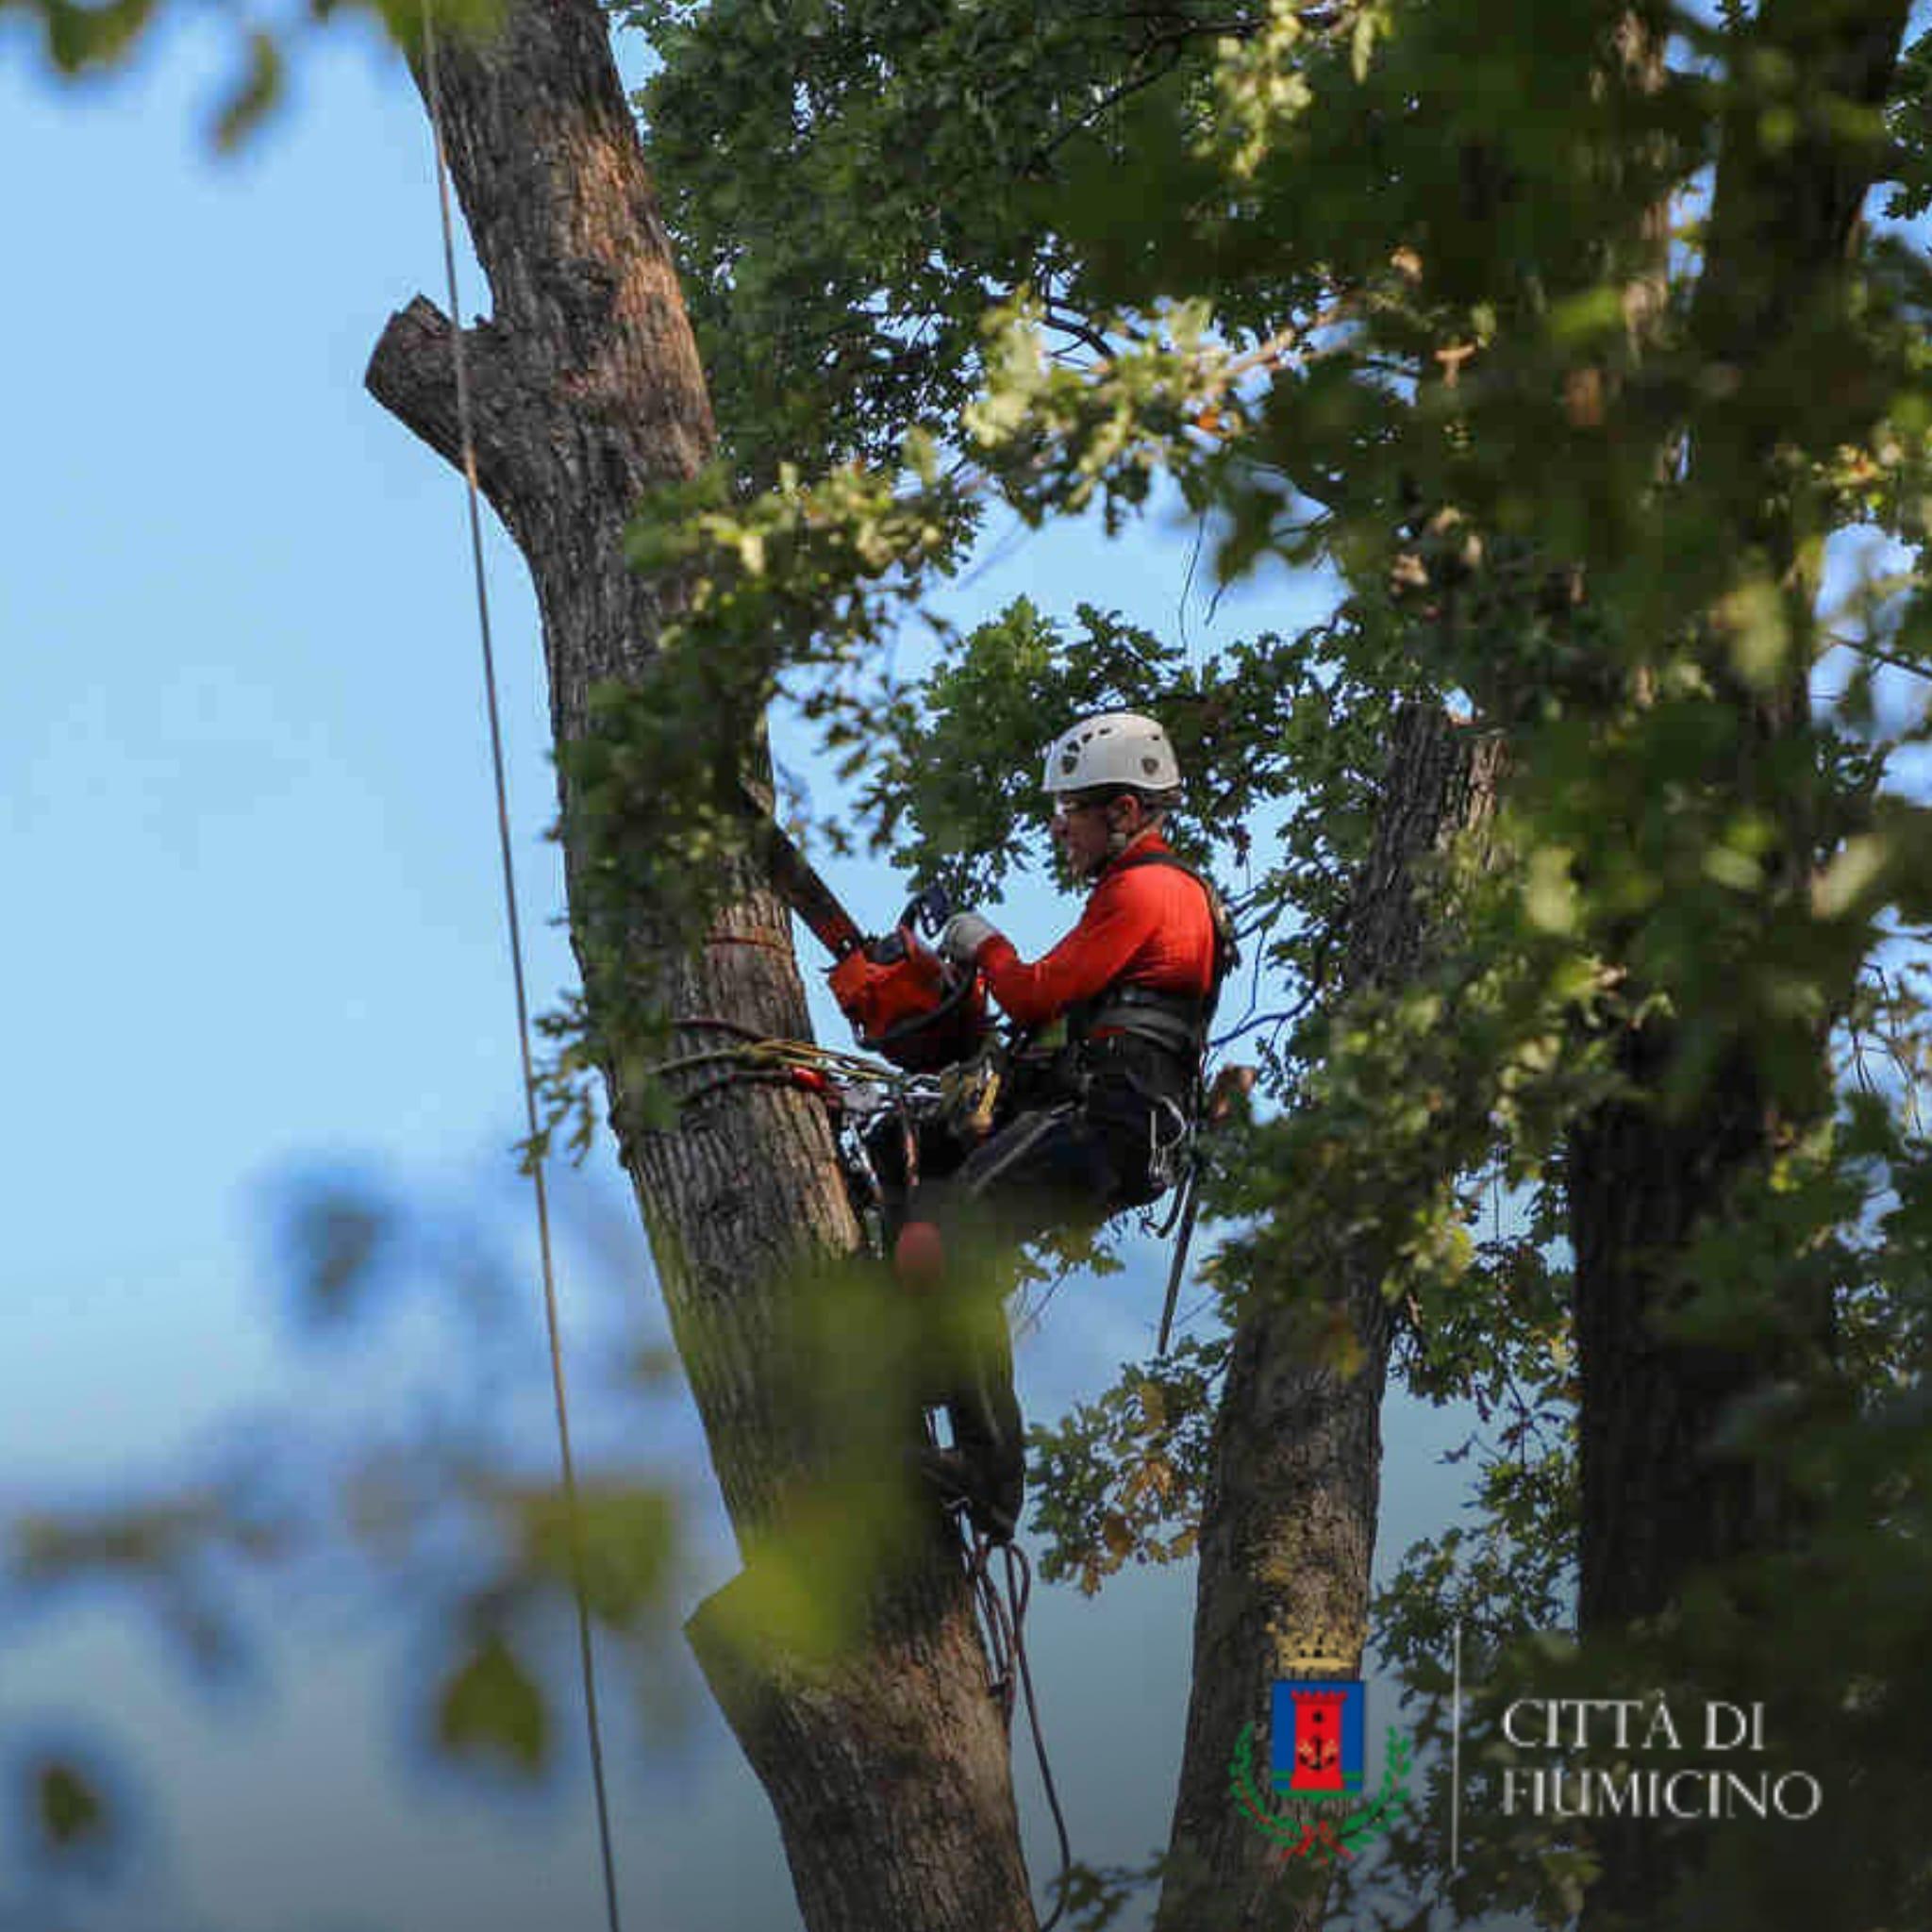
1300 1837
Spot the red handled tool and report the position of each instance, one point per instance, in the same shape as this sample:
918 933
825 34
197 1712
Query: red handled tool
904 1002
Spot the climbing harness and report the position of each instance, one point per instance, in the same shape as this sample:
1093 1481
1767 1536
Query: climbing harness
572 1511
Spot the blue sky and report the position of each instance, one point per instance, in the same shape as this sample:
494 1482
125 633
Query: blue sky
255 931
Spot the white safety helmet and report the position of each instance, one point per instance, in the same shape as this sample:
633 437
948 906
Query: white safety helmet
1117 748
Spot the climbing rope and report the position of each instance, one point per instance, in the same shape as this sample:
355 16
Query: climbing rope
573 1515
758 1053
1003 1627
753 1058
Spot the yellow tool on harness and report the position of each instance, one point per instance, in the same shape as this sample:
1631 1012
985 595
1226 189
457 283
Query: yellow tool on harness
969 1093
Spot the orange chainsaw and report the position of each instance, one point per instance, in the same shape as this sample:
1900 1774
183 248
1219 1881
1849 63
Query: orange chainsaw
904 1003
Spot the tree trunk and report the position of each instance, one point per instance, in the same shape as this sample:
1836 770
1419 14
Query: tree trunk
887 1765
1661 1499
1288 1528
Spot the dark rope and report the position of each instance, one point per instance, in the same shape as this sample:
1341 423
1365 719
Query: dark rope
1002 1622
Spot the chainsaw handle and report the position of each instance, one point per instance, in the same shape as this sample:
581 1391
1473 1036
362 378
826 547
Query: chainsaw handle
928 910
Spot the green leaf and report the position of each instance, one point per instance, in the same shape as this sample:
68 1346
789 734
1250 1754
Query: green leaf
490 1708
622 1545
253 95
68 1809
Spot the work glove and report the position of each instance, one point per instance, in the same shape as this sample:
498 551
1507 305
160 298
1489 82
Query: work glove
964 935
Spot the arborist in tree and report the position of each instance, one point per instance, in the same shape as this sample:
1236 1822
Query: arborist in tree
1097 1100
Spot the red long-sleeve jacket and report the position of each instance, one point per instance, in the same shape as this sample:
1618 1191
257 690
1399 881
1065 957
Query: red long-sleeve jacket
1143 926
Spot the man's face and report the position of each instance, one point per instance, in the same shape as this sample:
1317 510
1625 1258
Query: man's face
1083 830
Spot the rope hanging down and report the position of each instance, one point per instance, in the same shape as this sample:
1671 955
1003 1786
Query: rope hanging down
433 95
1003 1630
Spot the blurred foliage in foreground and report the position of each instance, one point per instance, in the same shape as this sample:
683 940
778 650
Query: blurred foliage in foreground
87 40
416 1497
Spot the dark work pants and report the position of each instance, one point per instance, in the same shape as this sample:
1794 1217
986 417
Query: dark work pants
1048 1167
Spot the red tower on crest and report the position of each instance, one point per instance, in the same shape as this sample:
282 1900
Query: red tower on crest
1318 1739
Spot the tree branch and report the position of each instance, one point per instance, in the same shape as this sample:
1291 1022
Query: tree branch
411 375
1175 46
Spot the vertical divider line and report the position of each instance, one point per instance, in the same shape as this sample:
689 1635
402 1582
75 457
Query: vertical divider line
1456 1760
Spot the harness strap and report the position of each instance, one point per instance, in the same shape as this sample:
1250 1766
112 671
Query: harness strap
1172 1020
1176 1020
1020 1145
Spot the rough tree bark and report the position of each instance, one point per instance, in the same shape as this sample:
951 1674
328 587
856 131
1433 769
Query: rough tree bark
1287 1530
888 1771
